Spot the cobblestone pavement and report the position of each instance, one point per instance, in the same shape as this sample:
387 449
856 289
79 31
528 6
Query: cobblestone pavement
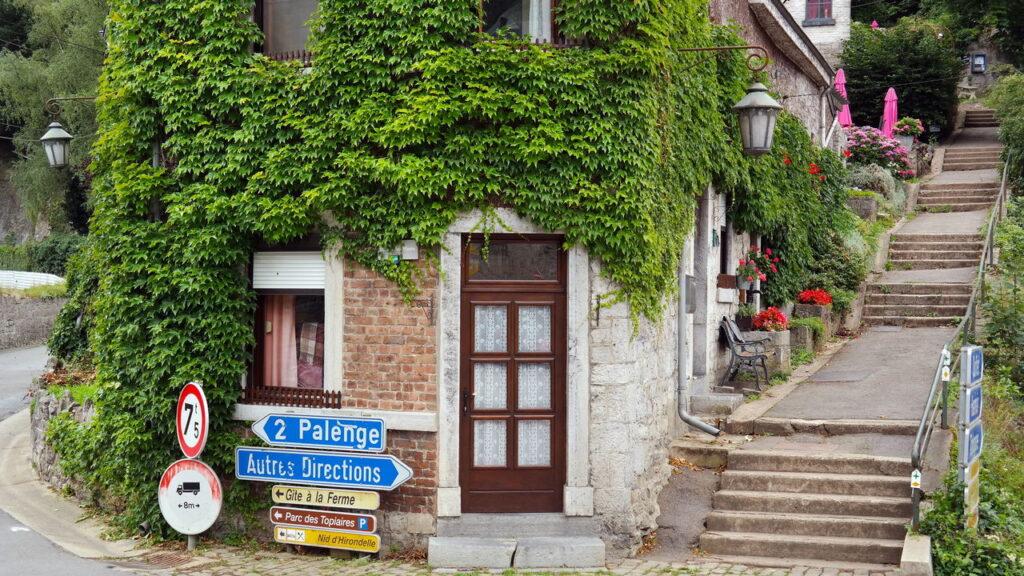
225 561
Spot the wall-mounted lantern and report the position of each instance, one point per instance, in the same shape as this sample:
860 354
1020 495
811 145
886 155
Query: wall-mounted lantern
757 110
55 143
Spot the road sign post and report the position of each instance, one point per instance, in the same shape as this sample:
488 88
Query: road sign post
328 469
306 496
323 519
972 432
193 420
322 432
190 496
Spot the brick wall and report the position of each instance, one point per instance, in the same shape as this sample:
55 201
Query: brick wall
390 363
390 360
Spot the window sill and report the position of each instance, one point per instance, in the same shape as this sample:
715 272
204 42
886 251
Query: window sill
407 421
819 22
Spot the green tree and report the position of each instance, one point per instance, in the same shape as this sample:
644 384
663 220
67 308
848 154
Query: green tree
970 19
60 54
925 73
885 13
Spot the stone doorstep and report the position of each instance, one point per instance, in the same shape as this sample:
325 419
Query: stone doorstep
501 553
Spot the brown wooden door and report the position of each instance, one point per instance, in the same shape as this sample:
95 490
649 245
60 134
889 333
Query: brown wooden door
513 344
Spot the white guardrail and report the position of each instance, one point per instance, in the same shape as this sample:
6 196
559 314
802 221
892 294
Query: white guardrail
22 280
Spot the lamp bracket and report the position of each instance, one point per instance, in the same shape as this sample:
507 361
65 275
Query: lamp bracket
755 61
53 105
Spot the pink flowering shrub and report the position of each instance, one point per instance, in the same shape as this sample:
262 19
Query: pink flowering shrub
868 145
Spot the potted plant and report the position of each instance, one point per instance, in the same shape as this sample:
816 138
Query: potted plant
815 304
771 320
756 264
745 316
907 130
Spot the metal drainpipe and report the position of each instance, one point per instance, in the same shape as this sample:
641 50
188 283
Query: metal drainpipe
683 353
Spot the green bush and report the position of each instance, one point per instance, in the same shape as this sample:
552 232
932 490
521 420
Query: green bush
69 340
815 324
874 60
1008 100
51 254
15 258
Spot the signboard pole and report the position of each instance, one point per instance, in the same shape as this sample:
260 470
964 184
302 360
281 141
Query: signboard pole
972 432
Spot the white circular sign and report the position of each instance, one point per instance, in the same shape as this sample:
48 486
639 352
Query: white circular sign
190 496
193 422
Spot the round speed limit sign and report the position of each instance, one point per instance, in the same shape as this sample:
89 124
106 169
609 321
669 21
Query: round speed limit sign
193 417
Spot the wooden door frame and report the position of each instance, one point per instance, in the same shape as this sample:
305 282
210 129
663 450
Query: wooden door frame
579 494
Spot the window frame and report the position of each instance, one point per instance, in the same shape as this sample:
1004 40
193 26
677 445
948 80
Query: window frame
331 395
819 13
553 34
304 56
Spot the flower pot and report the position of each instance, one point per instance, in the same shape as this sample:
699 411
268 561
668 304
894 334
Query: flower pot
743 284
906 141
745 323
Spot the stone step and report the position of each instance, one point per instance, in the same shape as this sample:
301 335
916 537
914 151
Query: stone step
896 253
821 463
808 524
937 310
931 264
911 322
881 551
981 124
500 553
957 207
883 288
960 186
962 166
965 156
803 482
829 504
962 246
964 197
917 299
947 238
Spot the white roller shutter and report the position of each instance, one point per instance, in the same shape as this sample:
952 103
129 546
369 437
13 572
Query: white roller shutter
288 271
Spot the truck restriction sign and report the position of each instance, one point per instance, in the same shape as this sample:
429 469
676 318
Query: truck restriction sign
193 421
190 496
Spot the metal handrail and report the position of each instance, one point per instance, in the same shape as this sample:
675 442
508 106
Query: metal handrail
964 330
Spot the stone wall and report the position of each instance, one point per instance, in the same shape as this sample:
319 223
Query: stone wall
45 407
632 407
26 321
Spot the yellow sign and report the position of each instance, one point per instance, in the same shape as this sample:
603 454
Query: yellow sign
973 470
327 539
353 499
972 495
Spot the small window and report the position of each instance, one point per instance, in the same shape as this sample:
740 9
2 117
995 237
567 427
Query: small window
819 10
290 330
285 28
521 17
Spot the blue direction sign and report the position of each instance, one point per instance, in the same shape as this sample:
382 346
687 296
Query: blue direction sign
971 445
972 365
970 405
330 469
322 432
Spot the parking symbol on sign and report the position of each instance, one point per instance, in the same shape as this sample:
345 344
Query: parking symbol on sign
363 523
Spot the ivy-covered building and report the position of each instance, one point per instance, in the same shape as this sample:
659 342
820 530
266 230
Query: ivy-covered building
407 210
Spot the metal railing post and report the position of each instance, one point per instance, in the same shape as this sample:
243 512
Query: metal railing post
915 503
944 422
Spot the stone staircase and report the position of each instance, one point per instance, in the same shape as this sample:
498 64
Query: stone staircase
835 507
916 305
980 119
957 197
972 158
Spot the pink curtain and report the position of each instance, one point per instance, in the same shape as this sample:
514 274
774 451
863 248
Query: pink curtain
279 354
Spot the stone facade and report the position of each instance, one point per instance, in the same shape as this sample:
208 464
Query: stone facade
26 321
632 409
46 462
829 34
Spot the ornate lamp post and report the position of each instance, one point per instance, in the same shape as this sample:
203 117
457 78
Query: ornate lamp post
56 140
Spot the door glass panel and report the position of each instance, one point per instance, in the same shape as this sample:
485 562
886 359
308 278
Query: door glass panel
490 328
490 385
489 447
534 443
534 328
534 386
519 261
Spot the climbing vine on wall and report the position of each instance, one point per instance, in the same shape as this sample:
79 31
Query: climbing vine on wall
406 119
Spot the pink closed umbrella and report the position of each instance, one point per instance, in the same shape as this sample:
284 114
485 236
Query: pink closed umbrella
889 113
844 113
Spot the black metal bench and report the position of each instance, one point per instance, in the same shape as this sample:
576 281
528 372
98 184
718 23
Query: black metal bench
743 353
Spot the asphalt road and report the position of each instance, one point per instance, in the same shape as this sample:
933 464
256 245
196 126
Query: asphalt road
17 369
27 553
